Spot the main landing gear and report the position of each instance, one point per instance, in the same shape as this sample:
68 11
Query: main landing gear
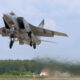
33 44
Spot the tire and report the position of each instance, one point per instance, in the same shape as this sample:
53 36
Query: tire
11 44
34 45
31 43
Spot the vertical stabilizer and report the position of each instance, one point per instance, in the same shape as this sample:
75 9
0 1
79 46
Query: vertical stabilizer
41 25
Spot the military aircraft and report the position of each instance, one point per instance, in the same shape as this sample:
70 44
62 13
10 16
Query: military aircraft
18 29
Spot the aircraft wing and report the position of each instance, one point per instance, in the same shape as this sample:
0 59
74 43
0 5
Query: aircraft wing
45 32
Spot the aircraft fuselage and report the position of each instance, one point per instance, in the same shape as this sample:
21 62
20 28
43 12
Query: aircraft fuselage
20 24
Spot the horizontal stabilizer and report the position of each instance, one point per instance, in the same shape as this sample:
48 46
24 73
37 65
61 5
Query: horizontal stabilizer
48 41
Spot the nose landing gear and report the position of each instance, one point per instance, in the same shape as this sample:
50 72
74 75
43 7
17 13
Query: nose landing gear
12 39
11 44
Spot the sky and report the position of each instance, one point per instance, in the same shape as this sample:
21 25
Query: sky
59 15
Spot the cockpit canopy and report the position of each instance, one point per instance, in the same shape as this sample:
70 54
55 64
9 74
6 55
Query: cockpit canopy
12 13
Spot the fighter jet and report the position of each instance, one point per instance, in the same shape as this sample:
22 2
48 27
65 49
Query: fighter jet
18 29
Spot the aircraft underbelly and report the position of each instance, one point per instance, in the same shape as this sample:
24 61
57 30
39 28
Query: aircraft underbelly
35 39
28 42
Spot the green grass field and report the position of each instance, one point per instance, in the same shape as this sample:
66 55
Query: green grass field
15 76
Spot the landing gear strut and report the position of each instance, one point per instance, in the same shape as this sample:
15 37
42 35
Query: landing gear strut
12 38
32 43
29 34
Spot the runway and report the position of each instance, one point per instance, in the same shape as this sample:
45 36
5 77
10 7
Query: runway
42 79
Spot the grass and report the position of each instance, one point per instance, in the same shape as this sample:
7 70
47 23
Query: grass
15 76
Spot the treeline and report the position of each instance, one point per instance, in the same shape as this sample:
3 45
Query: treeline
19 66
22 67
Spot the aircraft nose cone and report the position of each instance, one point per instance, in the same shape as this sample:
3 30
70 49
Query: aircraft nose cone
4 14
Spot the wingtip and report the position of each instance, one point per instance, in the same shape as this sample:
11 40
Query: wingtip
66 35
60 34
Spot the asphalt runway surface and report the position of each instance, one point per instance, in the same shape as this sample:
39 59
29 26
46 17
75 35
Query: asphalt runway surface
43 79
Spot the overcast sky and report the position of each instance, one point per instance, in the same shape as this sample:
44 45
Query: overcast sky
59 15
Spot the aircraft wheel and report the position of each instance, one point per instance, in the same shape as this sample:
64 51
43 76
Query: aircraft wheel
31 43
34 45
11 44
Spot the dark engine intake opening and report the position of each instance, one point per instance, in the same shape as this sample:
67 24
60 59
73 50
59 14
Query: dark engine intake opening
6 25
20 22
